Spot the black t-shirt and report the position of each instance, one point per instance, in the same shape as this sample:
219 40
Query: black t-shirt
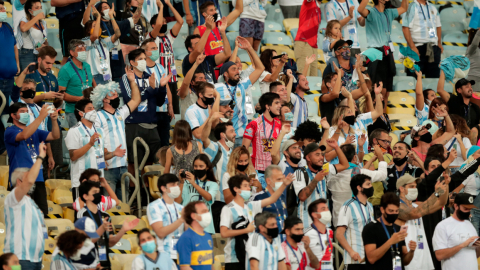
327 109
392 175
105 236
132 37
208 66
373 233
379 123
458 107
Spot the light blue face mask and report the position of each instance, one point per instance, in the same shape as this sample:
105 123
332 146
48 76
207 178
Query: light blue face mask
36 12
24 118
155 55
289 117
82 56
3 16
149 247
245 194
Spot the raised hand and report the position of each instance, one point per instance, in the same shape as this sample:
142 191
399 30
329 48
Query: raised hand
222 26
289 73
165 79
96 14
350 139
284 58
209 22
42 150
310 59
350 11
190 177
130 225
44 111
361 140
378 88
111 11
345 93
189 18
324 123
288 179
377 150
200 58
453 155
54 115
320 176
26 71
94 138
332 143
285 128
306 240
243 43
419 74
336 69
130 74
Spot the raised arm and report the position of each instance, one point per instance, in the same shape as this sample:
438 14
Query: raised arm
308 190
272 199
136 98
61 3
362 9
236 12
440 87
275 152
183 91
309 60
178 25
116 29
227 50
212 117
94 36
403 8
274 76
159 21
209 23
419 100
379 103
335 93
28 131
25 26
259 67
431 205
343 161
289 84
450 130
88 10
32 174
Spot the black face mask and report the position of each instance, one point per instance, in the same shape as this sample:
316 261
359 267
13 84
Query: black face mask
400 161
133 9
233 82
215 17
390 218
356 114
28 93
294 160
115 102
208 101
462 215
97 198
200 173
316 167
368 192
297 237
273 232
242 168
163 30
349 119
427 137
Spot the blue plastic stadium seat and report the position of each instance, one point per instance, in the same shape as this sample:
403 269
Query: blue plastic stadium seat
315 83
455 13
273 26
276 38
455 41
274 13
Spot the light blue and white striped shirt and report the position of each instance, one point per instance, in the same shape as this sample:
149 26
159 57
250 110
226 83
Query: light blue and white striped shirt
268 255
423 114
419 19
159 71
98 54
196 116
23 228
221 167
300 109
339 11
355 215
157 211
238 93
113 126
149 9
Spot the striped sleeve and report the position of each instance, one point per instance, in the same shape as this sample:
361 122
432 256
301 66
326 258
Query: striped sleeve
107 203
211 151
58 265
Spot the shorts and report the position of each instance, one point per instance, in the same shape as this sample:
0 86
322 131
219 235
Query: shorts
383 70
151 138
70 28
251 28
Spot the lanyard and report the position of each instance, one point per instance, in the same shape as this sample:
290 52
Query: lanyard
428 12
361 211
106 28
403 172
388 24
91 215
176 213
388 235
419 222
98 140
103 51
44 81
320 236
143 87
265 131
204 184
232 94
78 74
214 35
348 8
295 254
453 142
283 205
40 27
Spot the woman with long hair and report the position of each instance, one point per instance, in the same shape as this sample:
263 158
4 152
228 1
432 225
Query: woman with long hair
436 107
239 163
69 244
273 66
31 33
200 185
183 150
473 54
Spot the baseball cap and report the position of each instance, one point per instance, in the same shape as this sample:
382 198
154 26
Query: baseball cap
406 179
463 82
287 145
312 147
226 66
87 225
340 43
465 199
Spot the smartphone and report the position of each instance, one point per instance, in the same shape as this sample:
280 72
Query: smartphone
440 179
325 167
473 242
32 68
403 228
61 92
183 174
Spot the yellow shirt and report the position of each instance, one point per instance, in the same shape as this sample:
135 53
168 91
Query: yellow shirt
378 187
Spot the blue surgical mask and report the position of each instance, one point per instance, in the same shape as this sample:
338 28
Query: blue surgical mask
3 16
149 247
24 118
82 56
245 194
289 117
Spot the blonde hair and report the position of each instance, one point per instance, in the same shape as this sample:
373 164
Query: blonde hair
234 157
339 112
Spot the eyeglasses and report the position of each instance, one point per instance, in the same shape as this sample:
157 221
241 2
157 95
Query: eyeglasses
3 9
385 141
346 47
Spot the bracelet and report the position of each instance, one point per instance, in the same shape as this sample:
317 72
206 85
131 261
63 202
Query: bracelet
39 157
361 151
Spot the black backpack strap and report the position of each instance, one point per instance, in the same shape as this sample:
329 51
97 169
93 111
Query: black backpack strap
218 156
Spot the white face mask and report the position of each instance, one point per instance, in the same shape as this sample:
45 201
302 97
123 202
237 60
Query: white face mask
206 219
105 14
91 116
229 143
440 117
77 255
326 217
412 194
174 192
277 186
141 65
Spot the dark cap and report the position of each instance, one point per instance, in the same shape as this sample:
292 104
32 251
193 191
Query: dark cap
226 66
465 199
290 222
463 82
312 147
340 43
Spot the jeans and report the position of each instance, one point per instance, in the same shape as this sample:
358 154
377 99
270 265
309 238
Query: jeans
28 265
475 219
6 87
113 177
238 142
39 196
26 56
99 79
163 127
71 119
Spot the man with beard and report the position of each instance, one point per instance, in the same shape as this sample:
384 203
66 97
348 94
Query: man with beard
455 239
300 107
410 214
401 154
460 104
354 215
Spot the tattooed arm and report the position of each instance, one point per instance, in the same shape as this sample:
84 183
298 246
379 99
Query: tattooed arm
308 190
431 205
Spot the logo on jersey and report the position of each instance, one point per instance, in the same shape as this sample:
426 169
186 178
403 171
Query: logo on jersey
216 44
267 144
249 132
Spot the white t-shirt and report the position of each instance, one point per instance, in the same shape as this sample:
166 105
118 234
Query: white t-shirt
32 33
254 10
459 160
264 86
472 184
450 233
422 259
98 55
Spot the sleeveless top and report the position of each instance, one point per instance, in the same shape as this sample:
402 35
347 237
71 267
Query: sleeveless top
185 161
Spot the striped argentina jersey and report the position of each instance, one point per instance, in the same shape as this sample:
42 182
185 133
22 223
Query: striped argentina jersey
166 59
237 93
149 9
422 115
157 211
221 167
355 215
98 54
23 228
320 190
268 255
113 126
159 71
232 213
300 109
196 116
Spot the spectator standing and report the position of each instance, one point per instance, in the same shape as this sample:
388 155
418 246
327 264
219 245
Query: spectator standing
195 246
165 215
31 33
74 77
345 11
401 166
306 40
164 41
18 12
300 108
111 119
186 92
151 256
27 241
107 202
273 64
455 239
379 27
252 21
290 8
473 54
423 33
297 245
23 139
138 32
